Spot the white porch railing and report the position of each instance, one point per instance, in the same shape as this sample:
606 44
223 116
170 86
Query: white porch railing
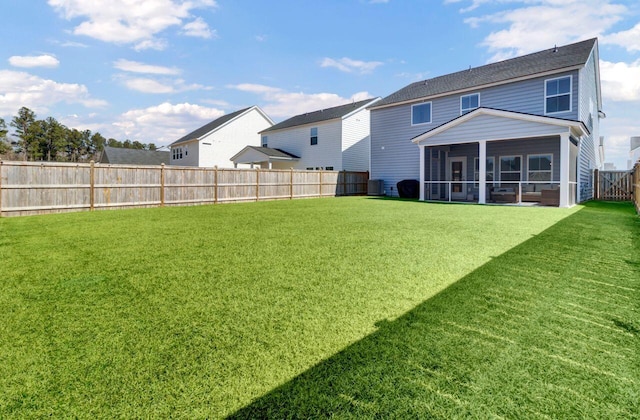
498 191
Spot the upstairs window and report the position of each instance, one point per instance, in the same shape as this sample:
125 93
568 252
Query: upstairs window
469 103
314 136
177 153
557 95
421 113
265 141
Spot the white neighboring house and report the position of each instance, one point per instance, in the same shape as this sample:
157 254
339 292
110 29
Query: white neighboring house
215 143
333 139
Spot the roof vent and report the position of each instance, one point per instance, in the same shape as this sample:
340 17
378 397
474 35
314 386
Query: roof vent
555 48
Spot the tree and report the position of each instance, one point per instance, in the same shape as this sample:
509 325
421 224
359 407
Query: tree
54 138
21 123
5 147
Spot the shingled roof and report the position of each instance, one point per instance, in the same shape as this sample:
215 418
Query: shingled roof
318 116
207 128
123 156
530 65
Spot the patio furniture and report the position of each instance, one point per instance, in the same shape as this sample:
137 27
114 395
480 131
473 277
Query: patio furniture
550 197
503 195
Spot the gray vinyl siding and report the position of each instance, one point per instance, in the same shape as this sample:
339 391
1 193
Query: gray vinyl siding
489 127
394 157
587 160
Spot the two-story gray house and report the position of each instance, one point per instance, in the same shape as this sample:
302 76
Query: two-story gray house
519 130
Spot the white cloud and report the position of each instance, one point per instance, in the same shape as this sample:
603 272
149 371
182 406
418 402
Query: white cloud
199 28
281 103
148 85
541 24
620 81
137 67
349 65
18 89
44 60
629 39
128 21
164 123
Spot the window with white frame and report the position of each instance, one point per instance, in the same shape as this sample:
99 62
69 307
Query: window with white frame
510 168
539 167
476 171
469 103
176 153
265 141
421 113
557 95
314 136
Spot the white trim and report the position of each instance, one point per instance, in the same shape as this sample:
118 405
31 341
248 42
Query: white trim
565 154
480 87
541 119
430 113
423 150
570 76
500 167
538 155
482 171
368 104
469 109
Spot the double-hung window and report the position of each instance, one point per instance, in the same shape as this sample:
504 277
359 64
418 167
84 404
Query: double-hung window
539 167
510 168
557 95
476 171
265 141
314 136
421 113
469 103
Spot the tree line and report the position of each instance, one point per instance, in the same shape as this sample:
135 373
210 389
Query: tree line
49 140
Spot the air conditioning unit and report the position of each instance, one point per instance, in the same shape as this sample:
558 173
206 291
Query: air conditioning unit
375 187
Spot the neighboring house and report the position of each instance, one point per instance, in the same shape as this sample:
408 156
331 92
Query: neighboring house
520 130
334 139
215 143
122 156
634 152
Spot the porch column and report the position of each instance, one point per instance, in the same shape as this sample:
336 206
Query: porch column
422 169
482 164
565 155
270 165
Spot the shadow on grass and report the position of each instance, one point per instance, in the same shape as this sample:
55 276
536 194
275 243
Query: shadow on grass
546 329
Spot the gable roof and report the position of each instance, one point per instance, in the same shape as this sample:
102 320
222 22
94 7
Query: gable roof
320 115
531 65
216 124
577 127
267 152
122 156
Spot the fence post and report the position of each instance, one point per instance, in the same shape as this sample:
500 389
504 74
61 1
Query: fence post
215 185
257 184
320 184
92 185
162 184
291 185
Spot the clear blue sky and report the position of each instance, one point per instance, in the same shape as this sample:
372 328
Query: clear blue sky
152 70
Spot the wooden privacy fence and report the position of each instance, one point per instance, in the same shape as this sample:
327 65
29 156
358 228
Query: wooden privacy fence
28 188
613 185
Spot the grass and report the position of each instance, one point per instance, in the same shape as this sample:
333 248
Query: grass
349 307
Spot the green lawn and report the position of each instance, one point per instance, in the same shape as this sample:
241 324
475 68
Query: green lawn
351 307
